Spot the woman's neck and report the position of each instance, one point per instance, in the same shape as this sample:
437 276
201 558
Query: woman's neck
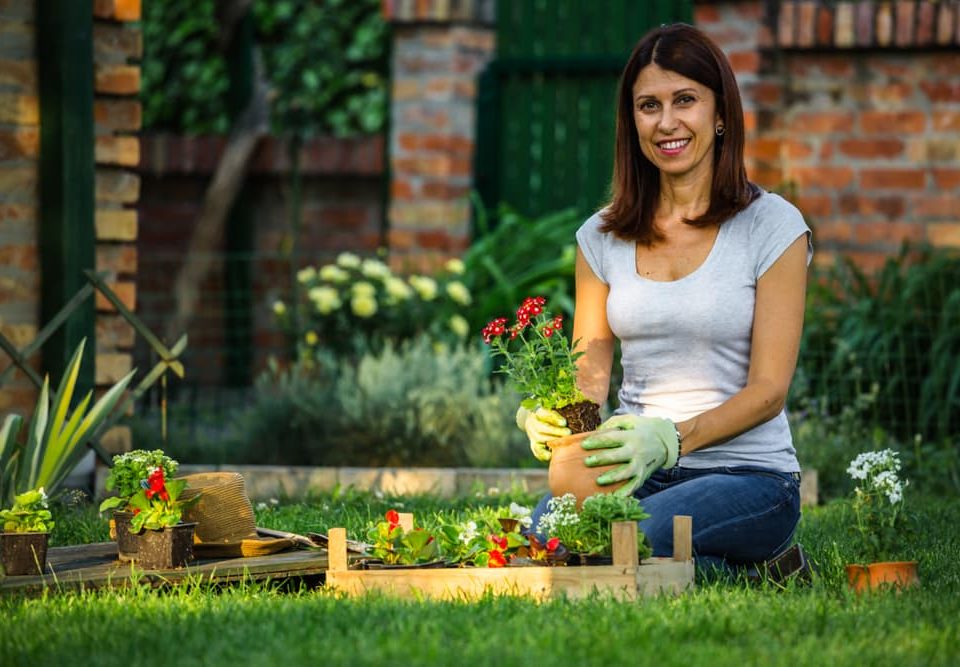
683 199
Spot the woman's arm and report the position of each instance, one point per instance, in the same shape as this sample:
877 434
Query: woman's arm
777 324
591 329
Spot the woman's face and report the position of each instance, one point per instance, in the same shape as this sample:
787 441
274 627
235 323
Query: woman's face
676 120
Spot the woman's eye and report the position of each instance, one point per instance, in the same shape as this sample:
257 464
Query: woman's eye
649 105
685 99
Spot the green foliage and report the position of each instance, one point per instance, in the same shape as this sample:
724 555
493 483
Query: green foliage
899 329
29 514
879 516
157 505
355 306
129 470
325 61
588 531
396 546
53 443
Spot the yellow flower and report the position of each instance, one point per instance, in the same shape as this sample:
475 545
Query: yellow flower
363 305
459 325
333 273
325 299
397 289
455 266
306 275
279 307
348 260
373 268
311 338
459 292
425 287
363 288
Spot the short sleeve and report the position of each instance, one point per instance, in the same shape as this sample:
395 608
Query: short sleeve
591 241
777 224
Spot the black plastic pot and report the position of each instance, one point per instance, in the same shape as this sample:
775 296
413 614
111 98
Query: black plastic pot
127 543
24 553
165 548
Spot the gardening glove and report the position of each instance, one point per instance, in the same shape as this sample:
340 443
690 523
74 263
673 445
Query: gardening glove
541 426
641 444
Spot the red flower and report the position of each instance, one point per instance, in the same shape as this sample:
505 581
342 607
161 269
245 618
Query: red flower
393 518
496 558
547 331
558 322
501 542
494 328
552 544
156 485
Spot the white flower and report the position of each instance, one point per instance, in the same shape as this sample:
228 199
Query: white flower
459 292
521 513
363 305
455 266
363 288
43 496
279 307
397 289
306 275
425 287
326 299
459 326
373 268
348 260
333 273
469 532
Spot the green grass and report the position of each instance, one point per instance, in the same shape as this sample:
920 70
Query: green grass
716 624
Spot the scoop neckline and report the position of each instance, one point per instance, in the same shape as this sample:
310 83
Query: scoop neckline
689 276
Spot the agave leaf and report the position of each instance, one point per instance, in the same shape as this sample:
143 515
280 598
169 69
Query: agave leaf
100 410
56 447
8 456
34 450
64 395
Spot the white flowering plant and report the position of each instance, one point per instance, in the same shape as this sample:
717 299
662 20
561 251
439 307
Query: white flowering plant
589 530
878 504
354 305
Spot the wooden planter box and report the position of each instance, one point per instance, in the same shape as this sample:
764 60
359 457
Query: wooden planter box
625 579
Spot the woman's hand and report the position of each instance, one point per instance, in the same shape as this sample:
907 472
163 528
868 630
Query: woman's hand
641 444
541 426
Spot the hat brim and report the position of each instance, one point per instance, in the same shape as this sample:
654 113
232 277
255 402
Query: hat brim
245 548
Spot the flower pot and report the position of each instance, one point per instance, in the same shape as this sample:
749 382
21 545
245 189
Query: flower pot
567 472
127 543
165 548
897 575
24 553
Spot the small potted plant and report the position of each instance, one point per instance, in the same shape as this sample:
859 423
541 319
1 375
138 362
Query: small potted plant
879 521
541 365
26 533
587 532
127 478
164 541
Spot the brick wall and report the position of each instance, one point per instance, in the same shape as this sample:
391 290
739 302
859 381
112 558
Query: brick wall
342 210
854 108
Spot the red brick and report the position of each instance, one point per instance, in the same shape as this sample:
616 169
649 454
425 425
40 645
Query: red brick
763 149
117 79
19 75
444 191
408 141
113 43
871 148
818 206
806 18
117 186
889 206
400 239
831 178
21 257
120 151
749 121
867 260
113 331
944 234
926 23
19 109
884 25
125 291
745 61
118 10
890 92
941 205
825 154
941 91
946 178
945 24
117 115
834 230
17 143
903 32
786 27
401 189
11 214
844 36
869 233
767 177
904 179
865 24
824 26
117 259
767 92
705 14
797 150
818 122
893 122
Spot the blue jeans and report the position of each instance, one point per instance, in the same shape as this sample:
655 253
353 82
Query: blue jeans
741 515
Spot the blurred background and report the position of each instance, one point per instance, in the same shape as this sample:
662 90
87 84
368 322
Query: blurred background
259 166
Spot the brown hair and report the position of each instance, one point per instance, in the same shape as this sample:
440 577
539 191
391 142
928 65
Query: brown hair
635 189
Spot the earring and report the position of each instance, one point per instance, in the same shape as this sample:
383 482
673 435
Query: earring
720 130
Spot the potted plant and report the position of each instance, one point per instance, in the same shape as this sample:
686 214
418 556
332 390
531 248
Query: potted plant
586 532
393 546
541 365
128 475
879 523
26 532
164 541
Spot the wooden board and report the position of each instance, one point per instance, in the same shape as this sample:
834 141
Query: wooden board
624 579
97 566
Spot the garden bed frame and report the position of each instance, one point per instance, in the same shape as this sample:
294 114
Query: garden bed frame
626 579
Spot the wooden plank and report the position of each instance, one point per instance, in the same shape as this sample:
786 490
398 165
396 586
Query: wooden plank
624 538
338 548
682 538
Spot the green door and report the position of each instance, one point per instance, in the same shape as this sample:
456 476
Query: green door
546 103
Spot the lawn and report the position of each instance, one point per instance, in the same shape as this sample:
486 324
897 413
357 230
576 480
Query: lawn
719 623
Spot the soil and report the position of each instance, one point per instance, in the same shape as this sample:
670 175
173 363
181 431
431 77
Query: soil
581 417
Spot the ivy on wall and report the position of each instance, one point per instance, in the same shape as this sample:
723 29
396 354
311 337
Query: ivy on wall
326 61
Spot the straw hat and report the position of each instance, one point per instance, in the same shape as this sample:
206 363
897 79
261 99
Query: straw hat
226 527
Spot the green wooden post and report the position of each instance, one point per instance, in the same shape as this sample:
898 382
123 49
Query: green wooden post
64 31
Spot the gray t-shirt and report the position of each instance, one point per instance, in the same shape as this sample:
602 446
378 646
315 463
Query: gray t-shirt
686 343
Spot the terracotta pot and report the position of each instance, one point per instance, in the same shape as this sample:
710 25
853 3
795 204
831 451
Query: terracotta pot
568 474
24 553
897 575
165 548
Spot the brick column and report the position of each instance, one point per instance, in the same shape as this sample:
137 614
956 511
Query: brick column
439 49
117 48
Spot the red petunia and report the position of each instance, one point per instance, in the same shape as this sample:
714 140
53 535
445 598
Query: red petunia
501 542
497 558
552 544
156 485
393 518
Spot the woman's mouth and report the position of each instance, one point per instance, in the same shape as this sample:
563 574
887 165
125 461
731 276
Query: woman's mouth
673 147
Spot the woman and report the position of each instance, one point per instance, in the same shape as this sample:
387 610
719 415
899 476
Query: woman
701 275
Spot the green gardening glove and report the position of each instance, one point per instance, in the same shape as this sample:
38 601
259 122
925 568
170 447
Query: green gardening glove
641 444
541 426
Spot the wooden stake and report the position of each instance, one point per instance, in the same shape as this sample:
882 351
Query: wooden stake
625 543
406 521
337 550
682 538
